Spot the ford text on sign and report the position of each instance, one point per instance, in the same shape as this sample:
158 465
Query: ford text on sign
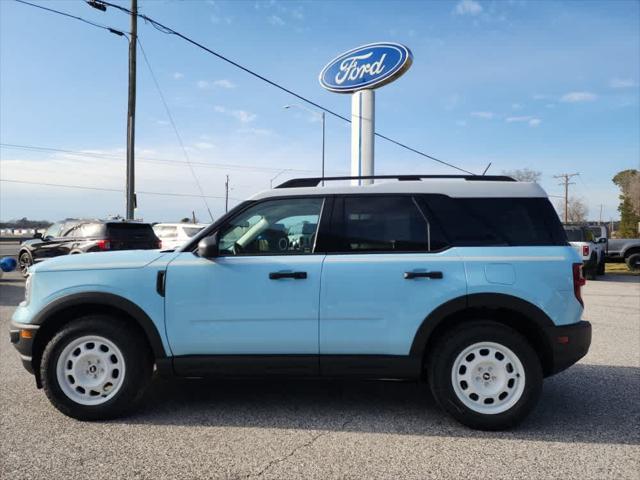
366 67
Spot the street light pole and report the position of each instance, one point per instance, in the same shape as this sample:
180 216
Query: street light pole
131 114
322 119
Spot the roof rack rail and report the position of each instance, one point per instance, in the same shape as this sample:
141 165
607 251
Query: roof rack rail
315 181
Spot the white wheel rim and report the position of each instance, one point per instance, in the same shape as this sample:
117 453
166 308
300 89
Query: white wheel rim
90 370
488 378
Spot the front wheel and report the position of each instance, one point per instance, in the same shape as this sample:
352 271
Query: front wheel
25 260
95 368
633 262
485 375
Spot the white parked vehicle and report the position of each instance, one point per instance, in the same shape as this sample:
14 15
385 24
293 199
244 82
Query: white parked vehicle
591 249
174 235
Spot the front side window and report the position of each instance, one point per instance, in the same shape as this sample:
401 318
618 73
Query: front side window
382 224
53 231
274 227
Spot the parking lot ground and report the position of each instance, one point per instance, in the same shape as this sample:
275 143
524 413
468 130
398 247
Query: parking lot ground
587 425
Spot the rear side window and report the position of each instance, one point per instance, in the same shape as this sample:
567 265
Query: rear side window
91 230
574 234
130 231
497 221
383 224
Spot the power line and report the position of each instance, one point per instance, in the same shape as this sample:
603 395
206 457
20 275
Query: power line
79 153
169 31
75 17
175 129
565 181
106 189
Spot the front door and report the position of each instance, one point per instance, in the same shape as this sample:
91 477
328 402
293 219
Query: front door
259 297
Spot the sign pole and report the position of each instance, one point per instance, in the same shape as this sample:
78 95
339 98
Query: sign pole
362 135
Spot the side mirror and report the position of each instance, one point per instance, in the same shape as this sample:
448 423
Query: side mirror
208 246
37 235
602 240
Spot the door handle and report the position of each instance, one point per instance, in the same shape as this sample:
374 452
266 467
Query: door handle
412 275
294 275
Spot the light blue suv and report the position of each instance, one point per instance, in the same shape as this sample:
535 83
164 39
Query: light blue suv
465 282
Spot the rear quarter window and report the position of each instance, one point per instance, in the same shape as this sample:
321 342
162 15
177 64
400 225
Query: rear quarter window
497 221
130 231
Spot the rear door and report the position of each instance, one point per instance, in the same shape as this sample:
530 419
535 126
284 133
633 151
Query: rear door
388 268
131 236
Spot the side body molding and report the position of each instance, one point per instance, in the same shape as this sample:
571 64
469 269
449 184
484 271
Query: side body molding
108 300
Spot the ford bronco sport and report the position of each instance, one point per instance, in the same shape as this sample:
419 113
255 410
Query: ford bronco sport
466 282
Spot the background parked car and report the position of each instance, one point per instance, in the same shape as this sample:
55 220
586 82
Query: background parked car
174 235
82 236
625 249
593 253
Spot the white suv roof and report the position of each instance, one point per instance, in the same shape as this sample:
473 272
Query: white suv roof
454 187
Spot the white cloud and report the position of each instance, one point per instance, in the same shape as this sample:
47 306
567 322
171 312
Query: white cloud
204 145
244 116
575 97
622 83
178 75
468 7
275 20
485 115
516 106
241 115
531 121
524 118
223 83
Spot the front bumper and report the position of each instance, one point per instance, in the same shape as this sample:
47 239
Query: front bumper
569 343
22 336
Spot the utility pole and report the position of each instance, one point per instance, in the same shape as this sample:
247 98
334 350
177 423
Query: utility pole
226 195
565 181
600 221
131 114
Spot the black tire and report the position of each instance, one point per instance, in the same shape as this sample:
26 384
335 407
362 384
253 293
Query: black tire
440 369
633 262
137 358
590 273
601 267
25 260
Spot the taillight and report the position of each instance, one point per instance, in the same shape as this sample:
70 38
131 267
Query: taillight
585 250
103 244
578 282
158 243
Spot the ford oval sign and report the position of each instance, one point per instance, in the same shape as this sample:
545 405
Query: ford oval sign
366 67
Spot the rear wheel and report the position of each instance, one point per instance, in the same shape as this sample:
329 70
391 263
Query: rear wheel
96 368
485 375
25 260
601 266
633 262
590 272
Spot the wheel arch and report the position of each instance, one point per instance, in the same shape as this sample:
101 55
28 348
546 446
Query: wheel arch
521 315
630 251
60 312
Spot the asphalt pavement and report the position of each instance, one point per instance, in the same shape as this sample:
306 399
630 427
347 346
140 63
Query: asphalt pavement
585 427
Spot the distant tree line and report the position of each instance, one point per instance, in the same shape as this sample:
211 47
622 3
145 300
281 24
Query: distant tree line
25 223
628 181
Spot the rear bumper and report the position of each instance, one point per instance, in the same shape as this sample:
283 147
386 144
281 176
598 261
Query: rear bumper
23 343
569 343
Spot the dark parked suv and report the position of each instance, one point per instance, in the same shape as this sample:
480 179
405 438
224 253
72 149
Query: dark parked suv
81 236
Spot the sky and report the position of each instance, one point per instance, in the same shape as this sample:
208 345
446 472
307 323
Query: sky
549 86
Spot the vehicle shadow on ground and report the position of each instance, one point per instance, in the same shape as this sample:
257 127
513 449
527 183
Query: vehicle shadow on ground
588 403
11 293
614 277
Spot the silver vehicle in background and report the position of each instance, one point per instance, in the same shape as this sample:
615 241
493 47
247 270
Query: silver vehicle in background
174 235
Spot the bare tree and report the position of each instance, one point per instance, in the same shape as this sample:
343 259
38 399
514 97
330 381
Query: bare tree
523 174
577 210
